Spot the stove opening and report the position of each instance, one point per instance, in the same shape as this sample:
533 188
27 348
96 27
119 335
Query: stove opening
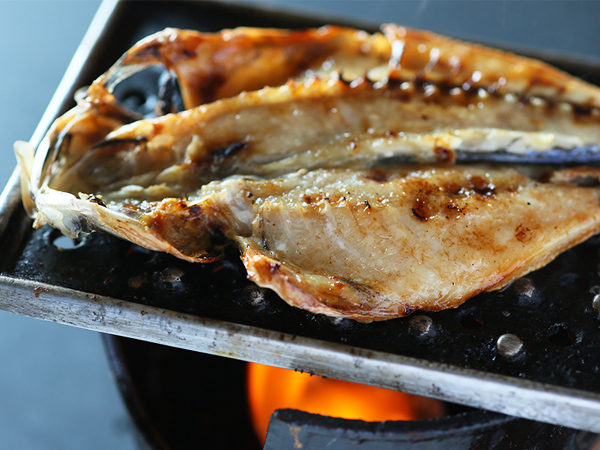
272 388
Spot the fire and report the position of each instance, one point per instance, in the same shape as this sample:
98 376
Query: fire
272 388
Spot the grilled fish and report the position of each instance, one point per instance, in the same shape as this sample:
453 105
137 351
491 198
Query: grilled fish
309 177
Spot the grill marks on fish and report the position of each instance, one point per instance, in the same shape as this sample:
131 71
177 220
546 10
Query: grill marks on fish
449 200
523 233
443 60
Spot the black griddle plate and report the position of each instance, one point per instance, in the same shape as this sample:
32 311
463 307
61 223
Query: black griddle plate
551 312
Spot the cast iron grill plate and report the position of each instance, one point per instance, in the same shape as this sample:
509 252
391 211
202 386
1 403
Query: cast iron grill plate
530 350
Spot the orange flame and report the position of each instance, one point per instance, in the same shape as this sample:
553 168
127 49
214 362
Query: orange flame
272 388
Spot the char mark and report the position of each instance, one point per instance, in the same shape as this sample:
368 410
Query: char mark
422 210
377 174
120 142
151 51
481 186
207 87
220 154
443 153
97 200
364 291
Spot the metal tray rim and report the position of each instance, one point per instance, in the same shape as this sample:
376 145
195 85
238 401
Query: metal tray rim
518 397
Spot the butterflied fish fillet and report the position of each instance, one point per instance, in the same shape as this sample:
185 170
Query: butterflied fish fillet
304 178
432 97
362 244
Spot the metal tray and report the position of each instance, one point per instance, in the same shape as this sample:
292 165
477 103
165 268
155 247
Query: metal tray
529 351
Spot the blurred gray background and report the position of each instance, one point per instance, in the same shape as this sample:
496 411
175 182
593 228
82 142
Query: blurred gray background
56 391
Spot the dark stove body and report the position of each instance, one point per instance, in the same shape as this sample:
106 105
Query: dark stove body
181 399
475 430
530 350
